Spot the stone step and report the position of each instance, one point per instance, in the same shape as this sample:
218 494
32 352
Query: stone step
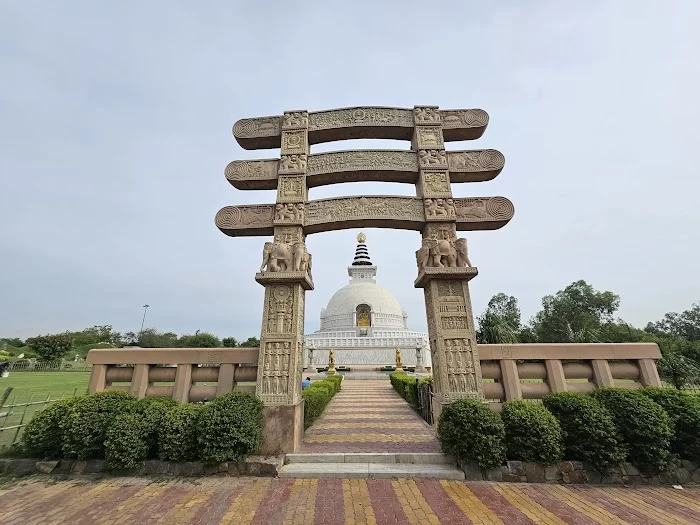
369 471
402 458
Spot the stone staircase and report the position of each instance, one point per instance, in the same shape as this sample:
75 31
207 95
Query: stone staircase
374 465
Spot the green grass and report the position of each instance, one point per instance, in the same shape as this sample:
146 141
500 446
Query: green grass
38 386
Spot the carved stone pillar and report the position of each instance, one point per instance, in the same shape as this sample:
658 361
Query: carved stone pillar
286 275
444 271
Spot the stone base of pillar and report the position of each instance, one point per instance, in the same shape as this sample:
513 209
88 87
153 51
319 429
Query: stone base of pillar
421 370
283 429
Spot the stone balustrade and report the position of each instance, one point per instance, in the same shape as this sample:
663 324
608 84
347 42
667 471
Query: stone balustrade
562 367
184 368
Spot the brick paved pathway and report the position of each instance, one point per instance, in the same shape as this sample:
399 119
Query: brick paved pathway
369 416
242 501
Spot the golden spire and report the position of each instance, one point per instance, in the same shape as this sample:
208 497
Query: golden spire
361 237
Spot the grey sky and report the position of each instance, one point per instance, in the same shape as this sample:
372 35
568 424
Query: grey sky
115 128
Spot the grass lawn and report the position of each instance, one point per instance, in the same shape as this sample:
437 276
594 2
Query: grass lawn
38 386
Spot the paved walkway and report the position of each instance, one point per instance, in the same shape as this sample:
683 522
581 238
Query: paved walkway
369 416
242 501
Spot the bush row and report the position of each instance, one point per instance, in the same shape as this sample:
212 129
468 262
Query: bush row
406 386
126 431
317 396
647 427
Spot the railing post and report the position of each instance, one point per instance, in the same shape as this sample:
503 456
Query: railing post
139 381
511 380
183 383
601 373
98 379
648 373
225 382
555 375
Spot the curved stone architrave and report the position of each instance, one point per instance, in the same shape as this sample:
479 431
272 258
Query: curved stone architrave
406 213
366 166
359 123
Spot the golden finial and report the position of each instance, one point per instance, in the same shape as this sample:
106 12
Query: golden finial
361 237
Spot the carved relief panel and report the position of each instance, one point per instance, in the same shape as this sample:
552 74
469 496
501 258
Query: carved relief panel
435 184
295 120
291 188
429 137
294 142
290 164
289 213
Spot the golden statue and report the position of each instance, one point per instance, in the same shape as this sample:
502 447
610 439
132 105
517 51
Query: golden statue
331 362
363 319
399 368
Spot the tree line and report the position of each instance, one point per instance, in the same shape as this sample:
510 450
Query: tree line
52 347
581 314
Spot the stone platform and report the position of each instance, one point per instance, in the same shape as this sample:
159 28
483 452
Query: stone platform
245 501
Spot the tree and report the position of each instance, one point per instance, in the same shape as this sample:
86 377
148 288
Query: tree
251 342
229 342
500 323
96 334
152 338
678 370
11 341
685 325
574 314
199 340
50 347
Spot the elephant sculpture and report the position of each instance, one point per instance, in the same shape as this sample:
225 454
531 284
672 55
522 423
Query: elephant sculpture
442 253
462 257
277 257
423 255
302 258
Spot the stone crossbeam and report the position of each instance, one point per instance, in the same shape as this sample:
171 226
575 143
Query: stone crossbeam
366 166
406 213
357 123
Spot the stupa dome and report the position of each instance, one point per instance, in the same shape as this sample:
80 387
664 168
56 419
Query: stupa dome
343 306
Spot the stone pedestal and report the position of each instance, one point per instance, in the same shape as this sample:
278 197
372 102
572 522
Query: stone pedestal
420 369
283 428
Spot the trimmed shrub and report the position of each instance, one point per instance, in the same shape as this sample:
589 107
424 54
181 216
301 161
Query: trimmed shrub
126 446
43 436
230 427
153 411
470 431
406 386
684 411
85 428
532 433
644 426
177 436
337 381
588 428
317 396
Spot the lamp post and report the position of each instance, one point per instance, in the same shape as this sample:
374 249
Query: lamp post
145 308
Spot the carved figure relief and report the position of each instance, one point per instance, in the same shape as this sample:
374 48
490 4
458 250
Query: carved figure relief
426 114
294 142
454 323
440 231
288 234
284 212
295 119
432 158
462 257
362 160
302 258
361 116
293 163
450 289
435 182
439 208
442 253
363 207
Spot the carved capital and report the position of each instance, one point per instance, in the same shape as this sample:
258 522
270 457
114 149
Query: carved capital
429 273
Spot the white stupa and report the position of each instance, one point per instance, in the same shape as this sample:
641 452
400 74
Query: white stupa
364 324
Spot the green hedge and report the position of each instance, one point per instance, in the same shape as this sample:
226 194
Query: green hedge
469 430
532 433
230 427
177 437
85 428
127 444
43 435
153 411
684 411
318 395
643 424
406 386
589 432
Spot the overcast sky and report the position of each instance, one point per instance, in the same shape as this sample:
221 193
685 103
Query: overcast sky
115 128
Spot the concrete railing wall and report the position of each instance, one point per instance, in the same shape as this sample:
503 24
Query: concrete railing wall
573 367
183 367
